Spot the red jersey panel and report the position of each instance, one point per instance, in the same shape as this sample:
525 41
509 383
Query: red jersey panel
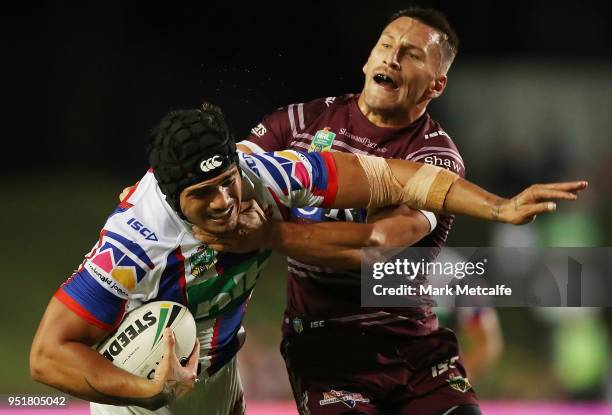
337 124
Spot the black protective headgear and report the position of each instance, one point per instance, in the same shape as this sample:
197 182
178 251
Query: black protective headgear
188 147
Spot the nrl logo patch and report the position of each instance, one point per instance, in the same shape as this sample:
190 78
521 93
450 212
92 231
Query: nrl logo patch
459 383
322 141
348 398
203 260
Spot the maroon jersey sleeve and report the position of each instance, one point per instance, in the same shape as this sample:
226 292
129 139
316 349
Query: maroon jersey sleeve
271 134
437 148
279 129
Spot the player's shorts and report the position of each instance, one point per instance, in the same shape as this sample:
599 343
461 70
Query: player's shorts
344 371
221 394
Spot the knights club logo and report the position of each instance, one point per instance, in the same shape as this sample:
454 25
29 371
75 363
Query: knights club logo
203 260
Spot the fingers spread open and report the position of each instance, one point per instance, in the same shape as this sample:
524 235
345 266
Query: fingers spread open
539 194
566 186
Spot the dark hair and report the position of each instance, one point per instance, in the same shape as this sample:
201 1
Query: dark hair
438 21
188 147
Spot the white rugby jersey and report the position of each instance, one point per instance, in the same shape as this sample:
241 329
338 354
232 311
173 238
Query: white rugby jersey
146 252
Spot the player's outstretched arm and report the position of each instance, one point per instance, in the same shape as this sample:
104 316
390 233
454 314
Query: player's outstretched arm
62 357
338 244
379 182
329 244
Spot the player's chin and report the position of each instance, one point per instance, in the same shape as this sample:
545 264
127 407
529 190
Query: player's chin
381 101
220 226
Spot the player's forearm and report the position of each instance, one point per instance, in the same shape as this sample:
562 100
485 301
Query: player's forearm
75 368
339 244
463 197
372 181
466 198
335 245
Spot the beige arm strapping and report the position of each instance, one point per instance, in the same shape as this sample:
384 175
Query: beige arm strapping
426 189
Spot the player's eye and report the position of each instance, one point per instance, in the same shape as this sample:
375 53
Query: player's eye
201 192
228 182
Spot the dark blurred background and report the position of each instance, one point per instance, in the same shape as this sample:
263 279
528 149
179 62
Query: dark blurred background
529 99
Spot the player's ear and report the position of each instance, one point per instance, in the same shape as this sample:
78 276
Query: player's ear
437 86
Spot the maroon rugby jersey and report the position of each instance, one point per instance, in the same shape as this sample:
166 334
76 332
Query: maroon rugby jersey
337 124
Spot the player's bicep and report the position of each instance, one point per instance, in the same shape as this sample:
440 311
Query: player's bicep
338 178
60 324
353 189
90 298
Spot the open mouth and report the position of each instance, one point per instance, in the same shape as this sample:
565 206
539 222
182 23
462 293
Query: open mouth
222 215
385 81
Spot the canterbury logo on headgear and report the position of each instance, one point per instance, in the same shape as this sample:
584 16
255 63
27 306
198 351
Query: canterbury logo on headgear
211 163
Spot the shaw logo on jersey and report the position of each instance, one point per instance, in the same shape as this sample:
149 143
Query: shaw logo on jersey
443 162
128 334
144 231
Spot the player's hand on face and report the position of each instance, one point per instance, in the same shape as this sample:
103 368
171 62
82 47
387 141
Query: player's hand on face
250 233
172 379
524 207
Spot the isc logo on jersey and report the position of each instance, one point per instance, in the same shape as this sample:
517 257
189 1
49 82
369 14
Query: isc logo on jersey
137 347
259 130
142 229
